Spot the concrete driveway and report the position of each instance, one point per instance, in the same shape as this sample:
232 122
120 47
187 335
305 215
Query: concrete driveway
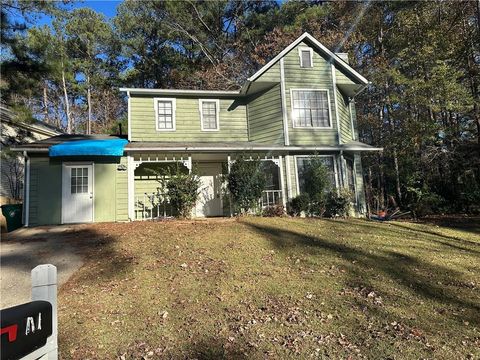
23 249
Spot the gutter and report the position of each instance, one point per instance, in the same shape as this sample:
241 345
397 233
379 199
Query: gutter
249 148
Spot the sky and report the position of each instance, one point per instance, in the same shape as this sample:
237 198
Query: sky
106 7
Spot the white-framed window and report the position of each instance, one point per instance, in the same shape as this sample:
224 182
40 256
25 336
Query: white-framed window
165 113
301 163
306 57
209 114
310 108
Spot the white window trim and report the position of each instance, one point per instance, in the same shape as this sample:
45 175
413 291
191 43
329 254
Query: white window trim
335 169
174 107
217 104
310 50
292 116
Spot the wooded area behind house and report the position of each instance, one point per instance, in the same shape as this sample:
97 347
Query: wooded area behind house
422 58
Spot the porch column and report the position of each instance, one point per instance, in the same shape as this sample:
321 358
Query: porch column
288 174
131 187
229 159
282 181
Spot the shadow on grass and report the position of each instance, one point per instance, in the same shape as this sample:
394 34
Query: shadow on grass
405 231
420 277
217 348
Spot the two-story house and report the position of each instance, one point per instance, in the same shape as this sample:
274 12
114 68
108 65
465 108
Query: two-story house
300 104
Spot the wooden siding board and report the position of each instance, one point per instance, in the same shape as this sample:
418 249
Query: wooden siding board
317 77
265 116
233 123
46 195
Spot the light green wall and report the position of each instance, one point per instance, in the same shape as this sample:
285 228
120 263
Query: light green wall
233 121
121 198
265 117
45 191
110 191
317 77
344 116
361 206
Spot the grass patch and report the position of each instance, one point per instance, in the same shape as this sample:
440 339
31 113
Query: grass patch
271 287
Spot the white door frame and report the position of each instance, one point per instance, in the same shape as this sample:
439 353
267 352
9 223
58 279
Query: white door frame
199 164
65 165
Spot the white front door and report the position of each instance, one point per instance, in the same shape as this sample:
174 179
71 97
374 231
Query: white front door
209 201
77 193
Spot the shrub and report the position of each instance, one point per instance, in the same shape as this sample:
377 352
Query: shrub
246 182
182 190
299 204
318 204
338 203
316 178
273 211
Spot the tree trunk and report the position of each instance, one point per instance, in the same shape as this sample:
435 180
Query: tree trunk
67 104
45 103
89 104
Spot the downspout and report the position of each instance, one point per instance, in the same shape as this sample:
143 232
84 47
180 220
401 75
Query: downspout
26 199
129 123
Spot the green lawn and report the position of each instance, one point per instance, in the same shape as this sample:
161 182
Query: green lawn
273 288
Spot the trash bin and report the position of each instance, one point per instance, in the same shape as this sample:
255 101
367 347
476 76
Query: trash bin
13 215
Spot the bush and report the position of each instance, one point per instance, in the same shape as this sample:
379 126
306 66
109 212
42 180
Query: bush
338 203
246 182
299 204
273 211
182 190
316 178
429 203
318 204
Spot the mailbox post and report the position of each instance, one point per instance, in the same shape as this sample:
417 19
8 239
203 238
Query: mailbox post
44 287
29 331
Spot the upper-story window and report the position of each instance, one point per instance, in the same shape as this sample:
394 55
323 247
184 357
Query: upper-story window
209 114
165 114
306 57
310 108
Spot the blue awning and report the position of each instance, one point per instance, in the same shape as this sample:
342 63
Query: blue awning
100 147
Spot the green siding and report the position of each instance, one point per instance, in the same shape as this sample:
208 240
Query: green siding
317 77
344 116
104 191
361 206
121 193
265 117
233 121
271 75
45 191
342 78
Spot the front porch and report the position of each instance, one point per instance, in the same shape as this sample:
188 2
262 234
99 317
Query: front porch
148 175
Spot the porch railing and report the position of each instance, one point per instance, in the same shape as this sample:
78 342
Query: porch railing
151 206
271 198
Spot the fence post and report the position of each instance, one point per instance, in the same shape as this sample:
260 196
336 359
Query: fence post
44 287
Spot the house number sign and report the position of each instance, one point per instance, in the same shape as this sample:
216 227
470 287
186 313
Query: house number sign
24 328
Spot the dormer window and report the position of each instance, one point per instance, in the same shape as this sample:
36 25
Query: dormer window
306 57
165 114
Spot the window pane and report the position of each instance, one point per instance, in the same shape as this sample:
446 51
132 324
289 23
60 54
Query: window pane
310 108
302 164
165 114
306 58
209 115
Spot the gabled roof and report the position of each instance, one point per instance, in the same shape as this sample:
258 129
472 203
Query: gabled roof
8 116
341 65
